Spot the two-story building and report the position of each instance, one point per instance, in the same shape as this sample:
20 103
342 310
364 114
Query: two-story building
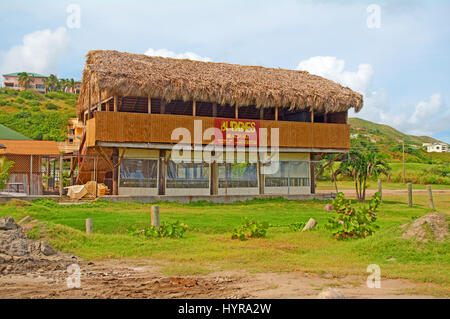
11 80
229 121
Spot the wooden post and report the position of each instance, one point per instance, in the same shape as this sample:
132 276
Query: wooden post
89 226
163 106
61 173
214 179
89 103
430 197
276 113
312 177
260 176
312 115
214 110
325 118
31 175
95 176
115 172
155 216
162 173
116 103
236 111
410 195
380 188
194 108
261 113
99 108
149 105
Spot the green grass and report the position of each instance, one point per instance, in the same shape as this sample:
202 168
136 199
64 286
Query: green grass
207 245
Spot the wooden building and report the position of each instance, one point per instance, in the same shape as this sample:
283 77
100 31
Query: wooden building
131 105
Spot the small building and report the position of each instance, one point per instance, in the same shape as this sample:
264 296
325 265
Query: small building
27 155
436 147
11 80
75 131
139 110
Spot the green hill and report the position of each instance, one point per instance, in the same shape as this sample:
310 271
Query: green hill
35 115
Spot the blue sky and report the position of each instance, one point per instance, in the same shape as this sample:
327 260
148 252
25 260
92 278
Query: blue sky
402 67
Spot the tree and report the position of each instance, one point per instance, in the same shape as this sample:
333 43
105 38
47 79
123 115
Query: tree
72 85
361 166
5 166
51 82
25 80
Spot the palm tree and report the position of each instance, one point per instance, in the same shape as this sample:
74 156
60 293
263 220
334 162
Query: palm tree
51 82
72 85
25 80
361 166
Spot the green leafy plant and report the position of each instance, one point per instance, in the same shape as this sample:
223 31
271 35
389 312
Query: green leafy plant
5 166
297 226
250 229
166 230
350 222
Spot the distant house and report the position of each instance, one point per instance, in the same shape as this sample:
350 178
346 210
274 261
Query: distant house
75 130
436 147
11 80
76 89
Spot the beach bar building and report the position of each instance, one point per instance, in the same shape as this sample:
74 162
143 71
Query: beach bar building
132 104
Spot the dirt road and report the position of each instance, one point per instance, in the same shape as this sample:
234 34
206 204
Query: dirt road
131 279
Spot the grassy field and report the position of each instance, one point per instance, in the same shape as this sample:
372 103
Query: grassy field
207 245
346 185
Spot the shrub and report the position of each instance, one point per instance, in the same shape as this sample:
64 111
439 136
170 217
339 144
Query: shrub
20 100
250 229
34 103
297 226
50 106
170 230
30 95
353 222
3 102
5 166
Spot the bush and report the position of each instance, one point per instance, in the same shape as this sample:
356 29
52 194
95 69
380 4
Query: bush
297 226
20 100
3 102
353 222
250 229
170 230
30 95
5 166
34 103
50 106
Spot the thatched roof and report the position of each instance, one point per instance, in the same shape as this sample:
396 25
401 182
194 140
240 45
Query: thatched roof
129 74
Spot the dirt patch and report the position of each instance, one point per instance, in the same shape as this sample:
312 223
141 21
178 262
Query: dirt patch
20 255
432 226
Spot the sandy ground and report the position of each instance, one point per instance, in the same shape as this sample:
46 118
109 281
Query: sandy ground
129 279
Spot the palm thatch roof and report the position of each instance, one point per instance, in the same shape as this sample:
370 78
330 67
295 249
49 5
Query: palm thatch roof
126 74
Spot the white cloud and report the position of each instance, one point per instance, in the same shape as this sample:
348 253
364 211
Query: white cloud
169 54
39 52
334 69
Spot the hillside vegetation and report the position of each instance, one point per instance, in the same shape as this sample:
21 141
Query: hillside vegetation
35 115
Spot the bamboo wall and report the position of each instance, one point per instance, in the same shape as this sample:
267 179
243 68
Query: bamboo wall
157 128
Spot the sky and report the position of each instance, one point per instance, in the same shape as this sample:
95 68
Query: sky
396 53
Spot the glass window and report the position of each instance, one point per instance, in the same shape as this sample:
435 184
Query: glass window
233 175
187 175
290 173
138 173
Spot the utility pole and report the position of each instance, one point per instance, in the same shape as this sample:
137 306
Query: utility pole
403 143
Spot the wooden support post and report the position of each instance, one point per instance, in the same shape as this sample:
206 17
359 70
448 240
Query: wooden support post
236 111
312 115
261 176
61 175
214 179
155 216
31 176
214 110
116 103
404 171
410 195
99 108
312 177
89 226
325 118
430 197
162 173
95 175
194 108
89 104
149 105
261 113
115 172
276 113
163 106
380 188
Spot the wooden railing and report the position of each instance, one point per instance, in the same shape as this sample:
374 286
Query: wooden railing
157 128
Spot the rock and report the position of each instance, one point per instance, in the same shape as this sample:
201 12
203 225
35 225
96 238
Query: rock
328 208
330 293
432 226
25 220
391 259
310 224
8 223
46 249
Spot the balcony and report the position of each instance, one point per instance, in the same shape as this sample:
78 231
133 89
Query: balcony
122 127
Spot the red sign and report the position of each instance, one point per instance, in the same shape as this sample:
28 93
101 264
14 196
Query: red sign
237 132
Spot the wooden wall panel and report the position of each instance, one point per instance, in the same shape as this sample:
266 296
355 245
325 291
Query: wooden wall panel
157 128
